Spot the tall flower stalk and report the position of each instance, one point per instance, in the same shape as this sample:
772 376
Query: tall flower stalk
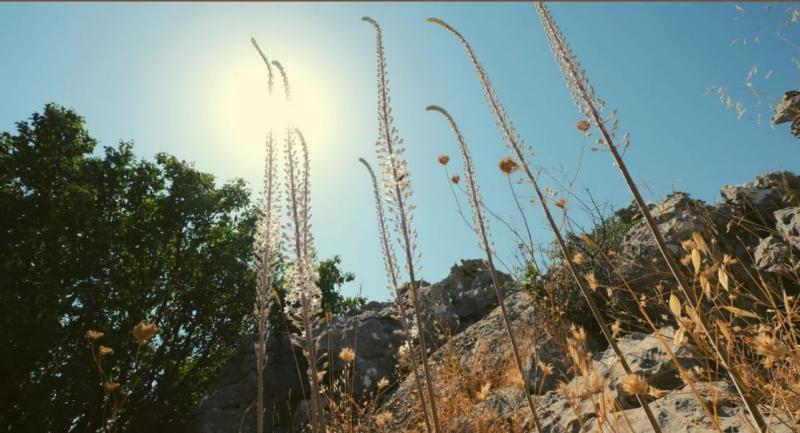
266 247
303 297
397 183
589 104
390 263
514 142
481 226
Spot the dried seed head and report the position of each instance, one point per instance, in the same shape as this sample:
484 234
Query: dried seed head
578 258
583 125
110 386
144 331
383 383
591 280
382 419
508 165
455 178
578 333
347 355
483 393
444 159
635 385
93 335
561 203
616 327
769 347
547 368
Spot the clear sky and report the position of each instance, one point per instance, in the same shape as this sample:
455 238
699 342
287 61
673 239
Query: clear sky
183 78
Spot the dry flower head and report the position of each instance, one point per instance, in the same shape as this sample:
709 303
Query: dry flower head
508 165
94 335
347 355
143 332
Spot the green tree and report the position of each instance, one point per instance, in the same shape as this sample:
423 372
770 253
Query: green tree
102 242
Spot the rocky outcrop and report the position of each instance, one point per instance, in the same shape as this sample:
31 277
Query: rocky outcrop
757 219
788 110
470 354
228 406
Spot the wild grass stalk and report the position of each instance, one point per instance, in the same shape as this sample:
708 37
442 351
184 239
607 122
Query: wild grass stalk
265 248
514 143
390 263
397 182
481 227
584 96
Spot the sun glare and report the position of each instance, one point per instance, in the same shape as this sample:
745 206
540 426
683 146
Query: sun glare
246 110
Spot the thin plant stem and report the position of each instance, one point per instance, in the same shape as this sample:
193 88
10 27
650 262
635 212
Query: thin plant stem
476 203
527 227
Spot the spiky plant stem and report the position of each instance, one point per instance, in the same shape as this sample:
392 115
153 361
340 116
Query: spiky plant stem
266 245
390 263
476 203
578 83
399 185
302 276
514 142
265 248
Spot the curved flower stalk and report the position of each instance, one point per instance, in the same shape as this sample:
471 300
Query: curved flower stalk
476 202
287 90
397 183
390 263
590 105
514 143
266 246
303 297
266 62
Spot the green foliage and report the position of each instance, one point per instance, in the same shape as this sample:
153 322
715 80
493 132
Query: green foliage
331 278
557 291
102 241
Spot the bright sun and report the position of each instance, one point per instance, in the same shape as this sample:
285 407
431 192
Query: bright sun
246 110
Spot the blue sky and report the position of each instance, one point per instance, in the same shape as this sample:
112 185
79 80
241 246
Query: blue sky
182 78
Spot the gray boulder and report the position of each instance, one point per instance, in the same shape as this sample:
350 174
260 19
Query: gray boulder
788 225
229 403
788 110
773 255
764 195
